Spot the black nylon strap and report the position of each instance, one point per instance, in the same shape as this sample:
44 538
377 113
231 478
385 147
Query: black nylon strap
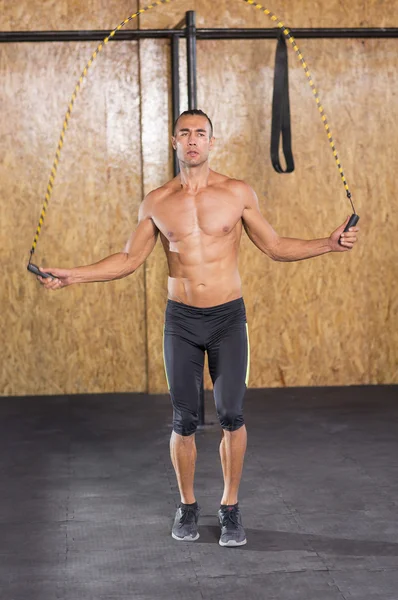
281 110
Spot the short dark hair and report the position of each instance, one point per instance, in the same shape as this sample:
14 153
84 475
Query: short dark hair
194 111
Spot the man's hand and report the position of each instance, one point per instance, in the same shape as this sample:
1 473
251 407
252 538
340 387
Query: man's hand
64 278
347 238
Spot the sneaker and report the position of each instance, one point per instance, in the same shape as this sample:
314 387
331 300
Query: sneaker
185 528
232 532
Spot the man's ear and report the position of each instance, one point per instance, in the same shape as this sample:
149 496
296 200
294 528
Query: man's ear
212 142
173 142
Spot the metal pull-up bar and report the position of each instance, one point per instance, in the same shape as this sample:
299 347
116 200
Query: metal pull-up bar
200 34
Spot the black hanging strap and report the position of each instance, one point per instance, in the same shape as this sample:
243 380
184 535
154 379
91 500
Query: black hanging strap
281 110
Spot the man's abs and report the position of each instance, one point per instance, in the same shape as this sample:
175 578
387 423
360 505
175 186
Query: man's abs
203 292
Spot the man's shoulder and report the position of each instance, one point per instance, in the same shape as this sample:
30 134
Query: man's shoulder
242 191
159 194
237 187
230 182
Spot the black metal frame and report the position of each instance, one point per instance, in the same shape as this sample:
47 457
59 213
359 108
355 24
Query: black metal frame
200 34
192 35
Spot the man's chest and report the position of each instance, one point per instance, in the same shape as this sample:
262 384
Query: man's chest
182 215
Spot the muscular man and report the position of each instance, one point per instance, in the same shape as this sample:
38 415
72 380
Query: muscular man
199 215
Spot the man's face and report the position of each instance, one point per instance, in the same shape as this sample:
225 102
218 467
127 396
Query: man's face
192 140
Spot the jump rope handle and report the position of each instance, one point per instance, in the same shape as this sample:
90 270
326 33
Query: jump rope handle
36 271
353 221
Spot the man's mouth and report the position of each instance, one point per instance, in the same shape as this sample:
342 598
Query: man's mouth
192 153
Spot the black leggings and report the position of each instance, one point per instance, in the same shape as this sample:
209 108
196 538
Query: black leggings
222 332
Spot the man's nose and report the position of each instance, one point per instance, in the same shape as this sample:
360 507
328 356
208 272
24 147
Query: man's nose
191 141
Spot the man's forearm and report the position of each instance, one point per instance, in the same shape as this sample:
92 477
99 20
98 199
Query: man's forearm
291 249
113 267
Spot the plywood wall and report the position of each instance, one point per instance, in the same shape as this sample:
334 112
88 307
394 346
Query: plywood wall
328 321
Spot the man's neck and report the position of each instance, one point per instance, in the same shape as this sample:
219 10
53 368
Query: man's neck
194 178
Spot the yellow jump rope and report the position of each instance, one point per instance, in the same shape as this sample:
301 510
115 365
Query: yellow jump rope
354 217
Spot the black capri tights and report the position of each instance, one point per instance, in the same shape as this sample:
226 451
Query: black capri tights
188 333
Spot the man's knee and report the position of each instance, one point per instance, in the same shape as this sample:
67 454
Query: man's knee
230 419
184 422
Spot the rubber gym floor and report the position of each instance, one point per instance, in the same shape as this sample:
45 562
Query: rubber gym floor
88 496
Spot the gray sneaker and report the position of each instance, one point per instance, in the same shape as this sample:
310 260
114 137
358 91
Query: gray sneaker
232 532
185 528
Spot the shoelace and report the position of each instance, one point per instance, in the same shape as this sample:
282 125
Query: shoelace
230 516
186 513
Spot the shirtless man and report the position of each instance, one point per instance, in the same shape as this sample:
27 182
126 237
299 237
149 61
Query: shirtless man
200 215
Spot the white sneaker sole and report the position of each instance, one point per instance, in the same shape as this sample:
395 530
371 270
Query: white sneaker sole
187 538
232 543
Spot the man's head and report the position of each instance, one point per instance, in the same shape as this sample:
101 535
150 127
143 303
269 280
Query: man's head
193 137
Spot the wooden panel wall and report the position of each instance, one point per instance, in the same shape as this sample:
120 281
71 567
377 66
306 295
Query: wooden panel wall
328 321
315 322
89 338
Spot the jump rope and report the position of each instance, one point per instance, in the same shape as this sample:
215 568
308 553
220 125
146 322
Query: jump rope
354 217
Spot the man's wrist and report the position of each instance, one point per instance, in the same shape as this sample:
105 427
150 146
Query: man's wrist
330 244
75 276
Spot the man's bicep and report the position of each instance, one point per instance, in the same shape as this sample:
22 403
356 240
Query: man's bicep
142 241
257 227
